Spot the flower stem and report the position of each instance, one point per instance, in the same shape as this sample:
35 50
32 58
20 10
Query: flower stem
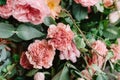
82 34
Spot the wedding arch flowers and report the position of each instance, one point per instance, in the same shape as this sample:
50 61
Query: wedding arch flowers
59 39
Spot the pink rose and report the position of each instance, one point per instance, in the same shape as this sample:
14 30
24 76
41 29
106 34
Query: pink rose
100 47
40 54
116 51
60 36
6 10
39 76
86 3
114 16
108 3
33 11
24 61
70 53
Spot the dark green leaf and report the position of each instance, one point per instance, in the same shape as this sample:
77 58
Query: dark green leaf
62 75
32 72
117 66
111 32
27 32
6 30
79 12
2 2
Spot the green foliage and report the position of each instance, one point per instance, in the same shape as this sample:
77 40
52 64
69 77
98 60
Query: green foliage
79 42
79 12
2 2
31 72
62 75
6 30
27 32
48 21
101 76
111 33
117 66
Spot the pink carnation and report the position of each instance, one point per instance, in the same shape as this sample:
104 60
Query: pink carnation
24 61
33 11
116 50
100 47
70 53
60 36
40 54
6 10
39 76
86 3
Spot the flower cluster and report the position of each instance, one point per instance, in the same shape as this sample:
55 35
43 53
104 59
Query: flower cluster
41 52
33 11
59 39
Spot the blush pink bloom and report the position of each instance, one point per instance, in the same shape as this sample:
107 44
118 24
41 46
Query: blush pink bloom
40 54
71 53
60 36
86 3
6 10
108 3
116 51
39 76
114 17
24 61
118 5
33 11
100 47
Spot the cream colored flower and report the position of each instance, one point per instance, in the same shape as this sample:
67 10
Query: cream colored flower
54 7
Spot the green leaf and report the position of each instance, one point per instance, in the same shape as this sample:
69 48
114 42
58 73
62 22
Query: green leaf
100 6
109 55
4 65
102 76
10 68
6 30
32 72
111 33
48 21
117 66
79 42
96 68
2 2
79 12
2 78
3 53
62 75
27 32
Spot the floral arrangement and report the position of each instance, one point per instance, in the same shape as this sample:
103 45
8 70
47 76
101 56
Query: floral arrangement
59 39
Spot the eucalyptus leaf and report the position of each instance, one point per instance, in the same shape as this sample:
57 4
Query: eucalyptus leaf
26 32
102 76
62 75
48 21
4 65
6 30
